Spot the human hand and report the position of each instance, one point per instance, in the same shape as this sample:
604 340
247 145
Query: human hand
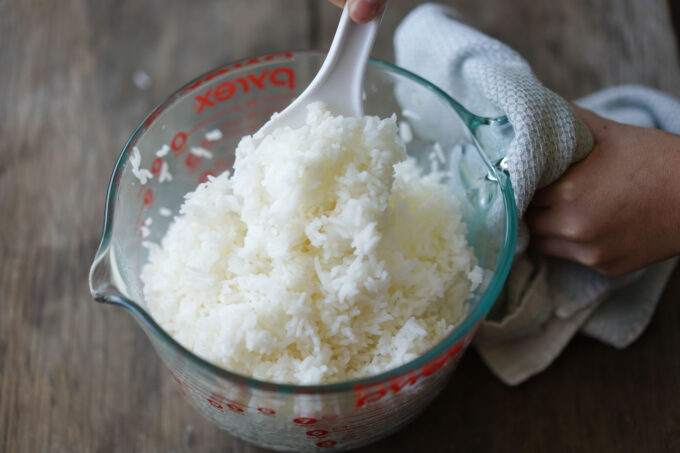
362 11
618 210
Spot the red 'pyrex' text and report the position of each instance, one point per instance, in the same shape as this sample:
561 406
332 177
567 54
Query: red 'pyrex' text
227 89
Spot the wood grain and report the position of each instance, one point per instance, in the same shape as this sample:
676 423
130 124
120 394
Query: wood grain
80 377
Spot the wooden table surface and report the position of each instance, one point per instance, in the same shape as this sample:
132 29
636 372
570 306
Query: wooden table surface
76 376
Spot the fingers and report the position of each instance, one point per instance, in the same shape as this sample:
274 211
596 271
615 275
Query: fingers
556 233
563 223
586 254
559 248
596 256
363 11
561 192
543 222
543 198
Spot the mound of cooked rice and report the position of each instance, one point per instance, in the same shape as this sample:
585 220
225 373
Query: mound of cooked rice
326 256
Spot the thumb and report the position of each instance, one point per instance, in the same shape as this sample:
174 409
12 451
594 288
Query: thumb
363 11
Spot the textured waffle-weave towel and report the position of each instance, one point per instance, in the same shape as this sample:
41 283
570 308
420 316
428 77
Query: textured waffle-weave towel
546 301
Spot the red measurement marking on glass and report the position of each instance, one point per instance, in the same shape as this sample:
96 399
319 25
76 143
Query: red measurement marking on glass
192 162
147 201
214 403
317 433
275 55
373 393
329 417
234 408
156 165
304 421
266 411
224 70
399 382
228 89
148 197
204 176
178 142
326 443
220 402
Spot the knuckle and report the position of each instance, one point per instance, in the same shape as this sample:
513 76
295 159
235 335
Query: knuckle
577 228
567 190
595 257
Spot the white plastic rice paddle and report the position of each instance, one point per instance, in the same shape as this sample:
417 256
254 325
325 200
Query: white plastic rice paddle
338 83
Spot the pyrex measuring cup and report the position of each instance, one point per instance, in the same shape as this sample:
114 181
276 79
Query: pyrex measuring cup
193 134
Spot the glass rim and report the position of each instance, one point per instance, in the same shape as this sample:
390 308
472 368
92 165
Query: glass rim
485 303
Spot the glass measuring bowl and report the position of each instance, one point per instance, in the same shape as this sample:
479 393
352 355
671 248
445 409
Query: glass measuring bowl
176 152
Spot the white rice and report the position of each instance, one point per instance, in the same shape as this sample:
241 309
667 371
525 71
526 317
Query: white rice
213 135
405 132
164 173
200 152
140 173
326 256
165 149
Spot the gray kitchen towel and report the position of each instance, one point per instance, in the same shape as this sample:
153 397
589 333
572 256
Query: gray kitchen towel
546 301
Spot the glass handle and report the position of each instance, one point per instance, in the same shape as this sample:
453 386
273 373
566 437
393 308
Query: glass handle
495 137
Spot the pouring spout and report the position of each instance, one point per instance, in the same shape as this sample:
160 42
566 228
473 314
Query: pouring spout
102 275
